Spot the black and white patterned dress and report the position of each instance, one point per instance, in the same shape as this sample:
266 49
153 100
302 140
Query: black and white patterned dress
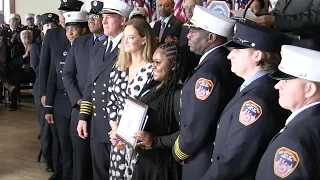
118 90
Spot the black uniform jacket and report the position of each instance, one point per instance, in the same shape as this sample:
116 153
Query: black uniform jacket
35 54
54 38
245 128
75 71
57 99
294 153
95 95
204 96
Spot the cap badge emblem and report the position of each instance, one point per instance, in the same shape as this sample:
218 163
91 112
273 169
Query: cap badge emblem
65 53
95 3
49 15
65 1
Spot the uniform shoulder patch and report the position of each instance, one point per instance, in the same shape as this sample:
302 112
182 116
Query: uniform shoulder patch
203 88
250 112
285 162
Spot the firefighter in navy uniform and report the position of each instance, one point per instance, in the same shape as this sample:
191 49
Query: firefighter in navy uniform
253 116
206 92
95 97
58 107
47 21
36 33
293 154
53 39
75 75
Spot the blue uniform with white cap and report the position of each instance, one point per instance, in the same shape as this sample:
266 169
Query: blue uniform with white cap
252 117
293 153
57 99
205 93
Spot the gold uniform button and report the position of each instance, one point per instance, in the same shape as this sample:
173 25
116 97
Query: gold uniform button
94 83
104 85
105 117
102 100
93 92
94 114
104 109
94 107
94 99
103 93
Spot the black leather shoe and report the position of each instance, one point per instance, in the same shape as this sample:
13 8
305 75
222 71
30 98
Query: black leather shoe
55 176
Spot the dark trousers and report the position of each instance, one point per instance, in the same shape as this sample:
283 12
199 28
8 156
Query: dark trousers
61 137
45 133
14 97
100 153
82 162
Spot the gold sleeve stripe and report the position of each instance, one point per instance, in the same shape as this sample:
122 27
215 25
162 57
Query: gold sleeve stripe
181 155
81 112
86 103
86 110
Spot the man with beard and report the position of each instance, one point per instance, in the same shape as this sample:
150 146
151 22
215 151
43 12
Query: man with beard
75 73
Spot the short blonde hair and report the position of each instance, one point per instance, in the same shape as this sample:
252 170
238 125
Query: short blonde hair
144 30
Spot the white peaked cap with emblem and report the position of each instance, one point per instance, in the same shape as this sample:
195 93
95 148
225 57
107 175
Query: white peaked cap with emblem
212 21
75 17
298 62
138 11
117 7
30 15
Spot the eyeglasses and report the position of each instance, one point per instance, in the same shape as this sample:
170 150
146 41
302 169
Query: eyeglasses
93 16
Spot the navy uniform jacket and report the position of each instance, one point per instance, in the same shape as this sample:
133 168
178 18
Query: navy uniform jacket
54 38
35 62
57 99
95 96
75 71
245 128
204 95
294 153
173 28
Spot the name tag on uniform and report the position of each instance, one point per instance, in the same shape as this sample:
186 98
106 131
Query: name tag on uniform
62 62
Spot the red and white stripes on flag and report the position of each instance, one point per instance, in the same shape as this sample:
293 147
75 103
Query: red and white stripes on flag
179 10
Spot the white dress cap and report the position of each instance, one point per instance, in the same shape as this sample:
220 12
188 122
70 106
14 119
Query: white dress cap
212 21
138 11
300 62
117 7
75 17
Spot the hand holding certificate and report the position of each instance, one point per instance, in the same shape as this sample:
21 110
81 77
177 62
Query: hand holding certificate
133 119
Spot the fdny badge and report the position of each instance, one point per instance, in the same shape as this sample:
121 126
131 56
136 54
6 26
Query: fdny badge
95 3
49 15
203 88
65 53
249 113
285 162
65 1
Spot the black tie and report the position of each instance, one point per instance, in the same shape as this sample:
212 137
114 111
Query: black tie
109 49
96 40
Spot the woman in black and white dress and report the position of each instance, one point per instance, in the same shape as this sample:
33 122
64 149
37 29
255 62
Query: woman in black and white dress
128 77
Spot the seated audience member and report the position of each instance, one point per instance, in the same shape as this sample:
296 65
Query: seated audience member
257 7
154 160
138 12
27 74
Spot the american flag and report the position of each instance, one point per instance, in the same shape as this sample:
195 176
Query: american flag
179 10
148 5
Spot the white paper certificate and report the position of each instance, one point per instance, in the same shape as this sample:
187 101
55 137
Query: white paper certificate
132 120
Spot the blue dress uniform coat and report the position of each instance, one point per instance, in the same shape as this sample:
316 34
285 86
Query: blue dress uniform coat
94 103
45 131
245 128
58 104
204 95
52 40
294 152
75 73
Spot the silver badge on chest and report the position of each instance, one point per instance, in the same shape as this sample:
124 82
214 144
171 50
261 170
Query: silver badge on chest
65 53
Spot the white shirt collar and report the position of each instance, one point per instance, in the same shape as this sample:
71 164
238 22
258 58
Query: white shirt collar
166 19
295 113
115 41
208 52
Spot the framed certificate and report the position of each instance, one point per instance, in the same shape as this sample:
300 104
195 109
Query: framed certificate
132 120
